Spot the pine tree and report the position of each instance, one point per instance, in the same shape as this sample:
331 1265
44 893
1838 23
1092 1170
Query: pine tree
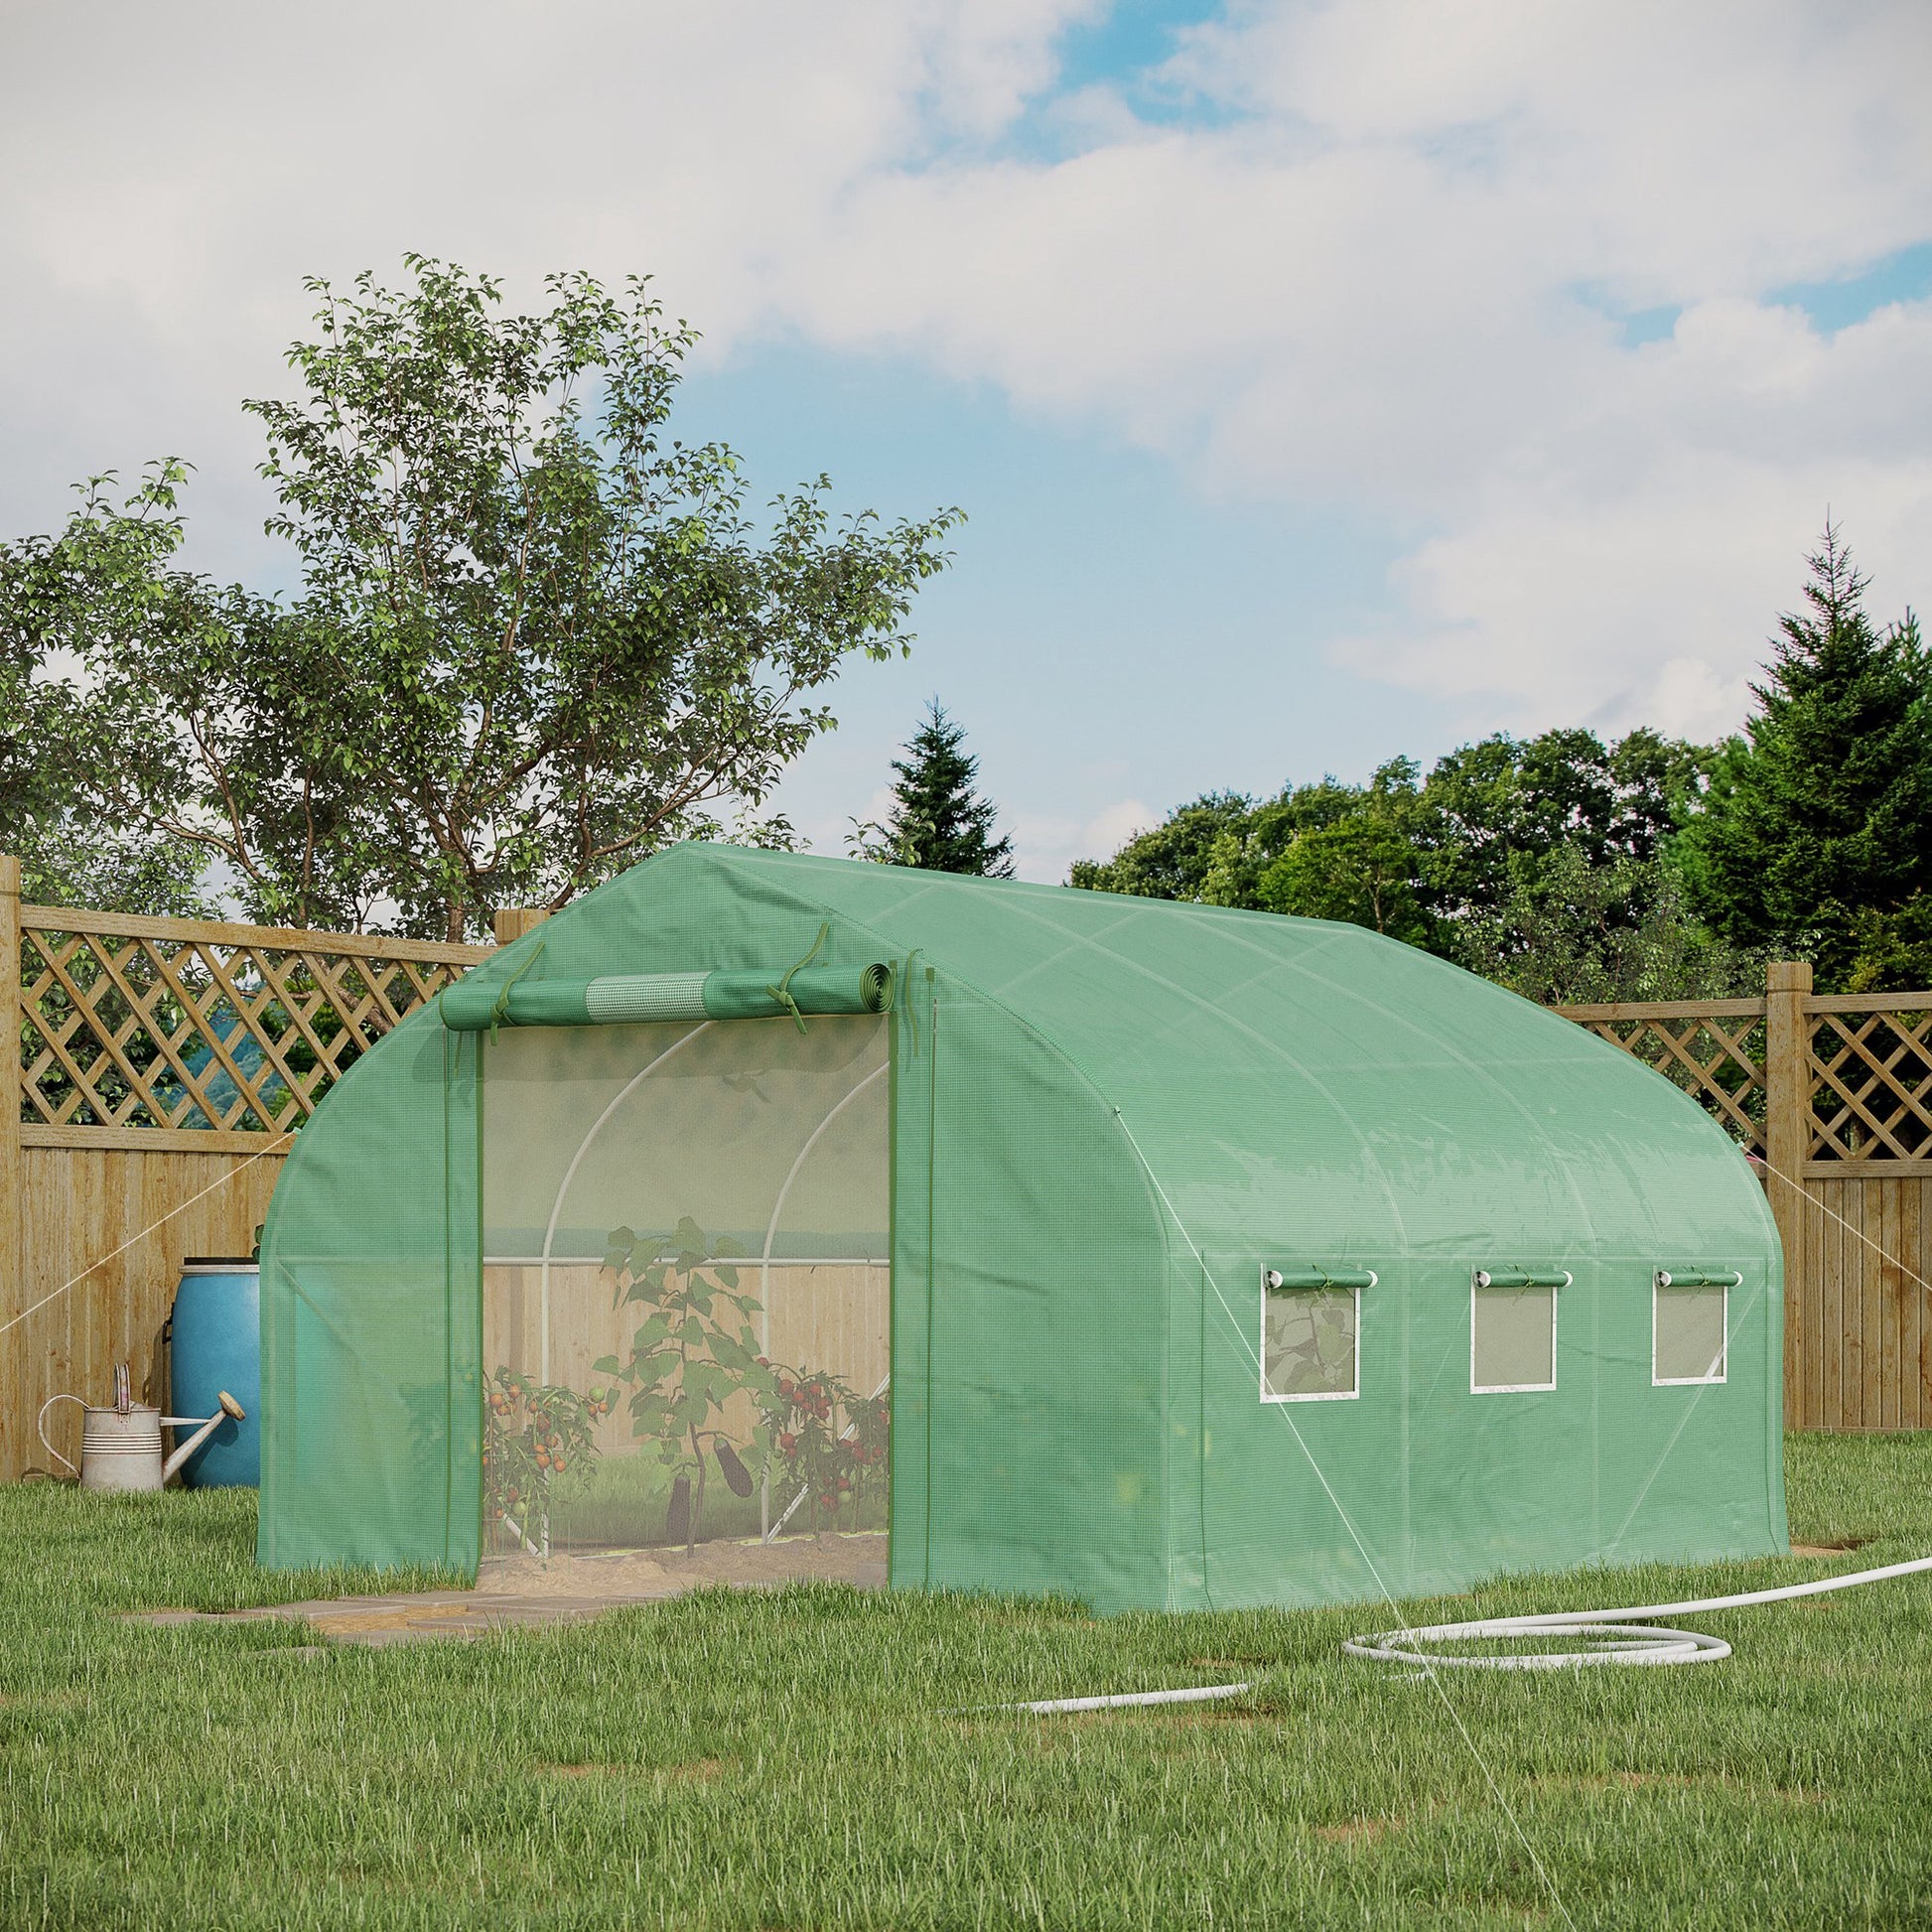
938 822
1816 835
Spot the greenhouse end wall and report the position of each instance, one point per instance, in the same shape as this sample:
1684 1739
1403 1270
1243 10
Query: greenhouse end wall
371 1325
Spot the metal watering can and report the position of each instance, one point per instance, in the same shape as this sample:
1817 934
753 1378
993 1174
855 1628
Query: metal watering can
121 1447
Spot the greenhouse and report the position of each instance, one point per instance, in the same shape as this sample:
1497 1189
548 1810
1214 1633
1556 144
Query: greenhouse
1160 1255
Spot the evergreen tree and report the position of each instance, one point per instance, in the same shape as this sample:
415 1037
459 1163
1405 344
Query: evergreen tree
1816 835
938 822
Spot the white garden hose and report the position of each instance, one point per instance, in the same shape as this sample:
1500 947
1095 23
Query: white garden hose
1128 1699
1620 1640
1620 1637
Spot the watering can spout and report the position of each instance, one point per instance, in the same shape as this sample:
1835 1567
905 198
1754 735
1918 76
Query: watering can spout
229 1407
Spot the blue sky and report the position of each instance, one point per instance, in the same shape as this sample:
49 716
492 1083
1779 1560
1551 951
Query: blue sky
1324 380
1108 632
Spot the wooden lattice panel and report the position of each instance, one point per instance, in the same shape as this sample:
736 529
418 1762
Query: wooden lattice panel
1713 1049
176 1024
1871 1082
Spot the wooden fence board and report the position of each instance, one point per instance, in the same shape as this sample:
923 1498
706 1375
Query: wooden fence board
1808 1337
1922 1264
1911 1305
1882 1397
1823 1281
79 1208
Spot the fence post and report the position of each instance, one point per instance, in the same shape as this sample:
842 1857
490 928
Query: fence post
1787 1141
514 922
12 1276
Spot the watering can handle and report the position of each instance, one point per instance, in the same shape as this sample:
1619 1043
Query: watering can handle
40 1429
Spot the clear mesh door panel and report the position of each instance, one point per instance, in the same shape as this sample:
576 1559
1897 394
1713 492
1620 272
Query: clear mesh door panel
686 1284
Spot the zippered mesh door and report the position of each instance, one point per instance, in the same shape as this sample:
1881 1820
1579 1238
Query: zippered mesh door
686 1290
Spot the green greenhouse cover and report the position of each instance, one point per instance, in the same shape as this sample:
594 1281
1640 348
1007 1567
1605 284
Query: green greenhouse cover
1220 1258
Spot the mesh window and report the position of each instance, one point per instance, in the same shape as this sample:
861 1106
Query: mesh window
1688 1335
686 1284
1513 1339
1309 1342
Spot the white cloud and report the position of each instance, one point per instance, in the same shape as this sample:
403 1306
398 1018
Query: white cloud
1046 845
1373 271
1389 283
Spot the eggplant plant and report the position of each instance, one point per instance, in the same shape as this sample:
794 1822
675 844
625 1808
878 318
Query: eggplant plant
694 1351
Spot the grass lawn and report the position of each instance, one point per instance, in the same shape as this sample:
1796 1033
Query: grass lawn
789 1761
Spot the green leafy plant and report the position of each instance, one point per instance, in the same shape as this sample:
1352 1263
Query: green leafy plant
693 1352
534 1435
826 1439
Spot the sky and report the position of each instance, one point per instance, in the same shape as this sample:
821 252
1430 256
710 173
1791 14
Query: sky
1321 382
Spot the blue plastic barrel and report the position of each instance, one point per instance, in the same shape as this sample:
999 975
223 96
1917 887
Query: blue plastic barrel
215 1345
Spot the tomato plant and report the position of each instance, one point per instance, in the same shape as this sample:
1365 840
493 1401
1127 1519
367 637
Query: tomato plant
533 1435
826 1437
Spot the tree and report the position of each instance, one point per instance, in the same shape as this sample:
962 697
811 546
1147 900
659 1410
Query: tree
562 643
1498 811
1621 930
57 737
536 638
1354 857
1173 859
938 822
1512 854
1816 835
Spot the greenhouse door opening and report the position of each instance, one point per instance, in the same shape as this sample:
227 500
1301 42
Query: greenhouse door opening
686 1292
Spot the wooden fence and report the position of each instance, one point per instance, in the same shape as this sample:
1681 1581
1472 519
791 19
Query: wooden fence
1833 1095
162 1066
164 1063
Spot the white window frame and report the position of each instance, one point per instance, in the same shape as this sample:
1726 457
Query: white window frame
1657 1381
1554 1293
1326 1395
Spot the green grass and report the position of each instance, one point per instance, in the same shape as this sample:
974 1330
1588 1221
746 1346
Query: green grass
795 1761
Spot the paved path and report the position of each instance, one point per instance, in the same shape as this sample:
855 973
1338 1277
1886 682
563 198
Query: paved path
379 1620
516 1594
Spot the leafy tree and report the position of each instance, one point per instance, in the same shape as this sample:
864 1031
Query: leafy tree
1354 857
1481 860
536 636
1172 860
1499 810
1894 950
938 822
1624 930
1816 835
61 740
562 642
1244 853
65 861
